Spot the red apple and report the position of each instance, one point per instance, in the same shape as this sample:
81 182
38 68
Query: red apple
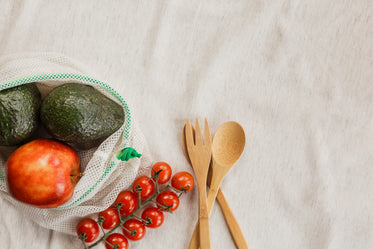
43 173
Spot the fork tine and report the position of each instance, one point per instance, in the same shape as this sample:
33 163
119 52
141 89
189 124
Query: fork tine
207 134
189 134
198 134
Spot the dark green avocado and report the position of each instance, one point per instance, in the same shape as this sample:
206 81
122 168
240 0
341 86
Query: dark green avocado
80 115
19 114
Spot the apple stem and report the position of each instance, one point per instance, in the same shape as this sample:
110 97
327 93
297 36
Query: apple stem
80 174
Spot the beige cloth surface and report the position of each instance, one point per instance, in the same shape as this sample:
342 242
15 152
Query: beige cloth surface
296 74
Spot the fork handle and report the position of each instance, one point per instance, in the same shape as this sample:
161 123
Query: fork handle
204 227
231 221
204 233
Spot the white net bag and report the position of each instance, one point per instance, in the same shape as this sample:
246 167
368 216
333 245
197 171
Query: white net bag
104 174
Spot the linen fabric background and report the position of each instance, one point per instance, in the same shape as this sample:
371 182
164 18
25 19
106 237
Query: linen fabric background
296 74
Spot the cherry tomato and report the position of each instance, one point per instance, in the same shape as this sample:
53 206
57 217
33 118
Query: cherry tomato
89 227
134 229
129 201
183 181
165 174
147 186
111 217
155 215
168 198
116 239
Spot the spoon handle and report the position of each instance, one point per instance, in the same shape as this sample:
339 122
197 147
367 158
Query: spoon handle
233 225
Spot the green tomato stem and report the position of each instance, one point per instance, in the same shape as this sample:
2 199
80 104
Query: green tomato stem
139 218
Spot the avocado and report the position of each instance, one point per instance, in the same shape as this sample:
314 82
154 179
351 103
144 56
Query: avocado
80 115
19 114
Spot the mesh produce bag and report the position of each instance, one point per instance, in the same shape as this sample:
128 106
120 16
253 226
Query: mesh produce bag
105 172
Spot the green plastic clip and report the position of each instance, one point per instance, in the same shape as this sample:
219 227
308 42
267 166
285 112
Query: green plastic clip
127 153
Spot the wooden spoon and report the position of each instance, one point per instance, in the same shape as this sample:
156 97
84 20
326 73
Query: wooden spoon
227 147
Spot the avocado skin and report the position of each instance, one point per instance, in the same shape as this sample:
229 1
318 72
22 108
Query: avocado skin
80 115
19 114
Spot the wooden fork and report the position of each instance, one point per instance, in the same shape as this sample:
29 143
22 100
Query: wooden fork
230 219
200 157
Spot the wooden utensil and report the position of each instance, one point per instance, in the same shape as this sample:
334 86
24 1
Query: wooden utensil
233 225
200 156
228 145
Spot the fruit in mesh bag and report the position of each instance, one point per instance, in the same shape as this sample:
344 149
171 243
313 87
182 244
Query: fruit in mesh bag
19 114
42 173
80 115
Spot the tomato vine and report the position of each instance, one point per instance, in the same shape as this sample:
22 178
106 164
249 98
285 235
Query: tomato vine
165 198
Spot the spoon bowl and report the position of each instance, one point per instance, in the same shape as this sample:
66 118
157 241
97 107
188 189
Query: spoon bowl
227 147
228 144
